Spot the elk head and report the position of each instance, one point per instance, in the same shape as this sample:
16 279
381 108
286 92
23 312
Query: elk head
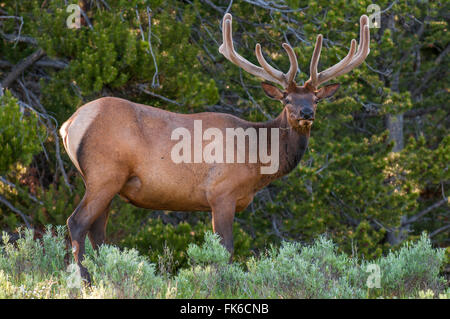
300 101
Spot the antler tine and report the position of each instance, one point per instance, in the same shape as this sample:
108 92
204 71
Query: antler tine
315 61
288 77
363 48
329 73
266 66
350 62
293 61
267 72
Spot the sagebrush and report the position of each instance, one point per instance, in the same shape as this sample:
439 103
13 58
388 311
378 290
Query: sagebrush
43 268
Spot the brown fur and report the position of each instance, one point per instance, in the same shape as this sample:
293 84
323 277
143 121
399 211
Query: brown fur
126 149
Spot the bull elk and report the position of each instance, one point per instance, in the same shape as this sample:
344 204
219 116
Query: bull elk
121 147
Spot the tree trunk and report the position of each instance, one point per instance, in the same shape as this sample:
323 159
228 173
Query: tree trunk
394 123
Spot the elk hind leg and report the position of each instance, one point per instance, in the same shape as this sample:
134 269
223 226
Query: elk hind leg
94 203
97 232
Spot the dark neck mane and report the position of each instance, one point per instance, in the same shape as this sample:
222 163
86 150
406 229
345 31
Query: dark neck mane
293 145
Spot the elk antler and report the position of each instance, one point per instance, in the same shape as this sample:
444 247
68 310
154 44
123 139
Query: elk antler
350 62
267 72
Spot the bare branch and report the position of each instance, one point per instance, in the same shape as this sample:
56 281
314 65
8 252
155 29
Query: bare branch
44 62
15 210
51 125
212 5
50 63
21 66
229 7
407 114
155 80
5 64
19 38
142 88
86 18
431 72
440 230
106 4
276 231
33 198
425 211
16 39
54 131
273 6
252 99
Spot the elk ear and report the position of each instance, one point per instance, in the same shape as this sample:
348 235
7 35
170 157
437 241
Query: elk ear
327 91
272 91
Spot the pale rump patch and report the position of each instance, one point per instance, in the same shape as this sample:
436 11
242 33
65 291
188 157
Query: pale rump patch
73 130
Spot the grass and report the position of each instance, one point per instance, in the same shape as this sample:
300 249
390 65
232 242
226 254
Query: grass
42 268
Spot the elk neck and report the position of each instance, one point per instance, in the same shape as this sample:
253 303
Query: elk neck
293 143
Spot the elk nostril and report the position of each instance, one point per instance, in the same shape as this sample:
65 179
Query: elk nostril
306 114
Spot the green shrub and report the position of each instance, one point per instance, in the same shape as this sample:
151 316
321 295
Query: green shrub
298 271
37 258
211 274
156 238
210 252
38 268
18 133
349 183
123 273
33 268
414 267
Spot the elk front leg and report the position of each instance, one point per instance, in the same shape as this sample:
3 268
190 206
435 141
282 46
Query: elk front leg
222 219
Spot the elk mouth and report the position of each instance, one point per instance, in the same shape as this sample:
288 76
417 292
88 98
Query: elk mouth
306 122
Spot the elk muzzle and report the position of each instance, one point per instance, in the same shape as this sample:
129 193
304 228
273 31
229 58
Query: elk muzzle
306 117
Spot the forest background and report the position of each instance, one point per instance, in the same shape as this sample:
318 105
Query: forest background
376 172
